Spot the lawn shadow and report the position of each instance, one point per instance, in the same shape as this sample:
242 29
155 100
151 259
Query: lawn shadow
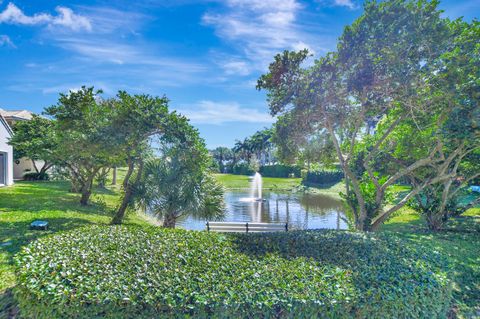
8 305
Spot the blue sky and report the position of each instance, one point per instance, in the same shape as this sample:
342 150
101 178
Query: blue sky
204 55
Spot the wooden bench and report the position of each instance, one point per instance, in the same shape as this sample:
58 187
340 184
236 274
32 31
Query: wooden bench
235 227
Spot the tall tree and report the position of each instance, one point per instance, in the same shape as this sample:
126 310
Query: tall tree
81 124
35 139
222 155
380 67
456 86
261 145
136 119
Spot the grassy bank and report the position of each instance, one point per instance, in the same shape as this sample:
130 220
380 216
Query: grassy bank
230 181
27 201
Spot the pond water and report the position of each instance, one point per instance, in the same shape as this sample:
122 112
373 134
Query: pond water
301 211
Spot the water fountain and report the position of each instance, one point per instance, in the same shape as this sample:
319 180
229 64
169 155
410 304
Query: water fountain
255 189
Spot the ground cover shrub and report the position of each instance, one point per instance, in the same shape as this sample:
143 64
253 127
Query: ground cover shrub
280 170
34 176
125 272
323 177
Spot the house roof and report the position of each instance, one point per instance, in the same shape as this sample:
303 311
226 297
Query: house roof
17 115
7 127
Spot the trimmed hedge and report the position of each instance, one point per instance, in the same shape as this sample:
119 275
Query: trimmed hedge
132 272
323 177
279 170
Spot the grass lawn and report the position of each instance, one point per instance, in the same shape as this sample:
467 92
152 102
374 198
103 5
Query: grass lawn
231 181
27 201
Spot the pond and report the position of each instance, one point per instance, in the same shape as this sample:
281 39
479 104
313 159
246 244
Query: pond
300 210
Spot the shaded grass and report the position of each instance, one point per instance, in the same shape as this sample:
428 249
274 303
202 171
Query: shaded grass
459 242
25 202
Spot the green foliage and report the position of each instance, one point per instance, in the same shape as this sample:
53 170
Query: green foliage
137 120
34 176
36 140
85 143
280 170
124 272
221 156
384 74
243 169
178 183
323 177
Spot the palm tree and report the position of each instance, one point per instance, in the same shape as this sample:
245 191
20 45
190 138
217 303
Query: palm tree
177 184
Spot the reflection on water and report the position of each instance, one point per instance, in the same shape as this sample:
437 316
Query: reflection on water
301 211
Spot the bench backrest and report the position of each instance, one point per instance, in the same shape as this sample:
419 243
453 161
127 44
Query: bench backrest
246 227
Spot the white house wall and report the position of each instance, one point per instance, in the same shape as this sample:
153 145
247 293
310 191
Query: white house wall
5 148
24 165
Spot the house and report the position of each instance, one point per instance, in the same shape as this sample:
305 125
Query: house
6 153
22 165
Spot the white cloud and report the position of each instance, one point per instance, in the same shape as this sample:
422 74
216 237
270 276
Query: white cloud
345 3
68 19
128 54
210 112
6 41
259 29
236 67
65 18
113 21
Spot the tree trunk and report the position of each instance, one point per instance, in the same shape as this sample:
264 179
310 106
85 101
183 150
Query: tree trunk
128 189
435 221
114 178
361 213
169 220
85 197
87 189
34 165
46 166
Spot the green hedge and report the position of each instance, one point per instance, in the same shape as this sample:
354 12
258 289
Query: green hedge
279 170
132 272
323 177
242 169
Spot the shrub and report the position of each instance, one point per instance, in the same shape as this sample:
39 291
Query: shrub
34 176
279 170
242 169
126 272
323 177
